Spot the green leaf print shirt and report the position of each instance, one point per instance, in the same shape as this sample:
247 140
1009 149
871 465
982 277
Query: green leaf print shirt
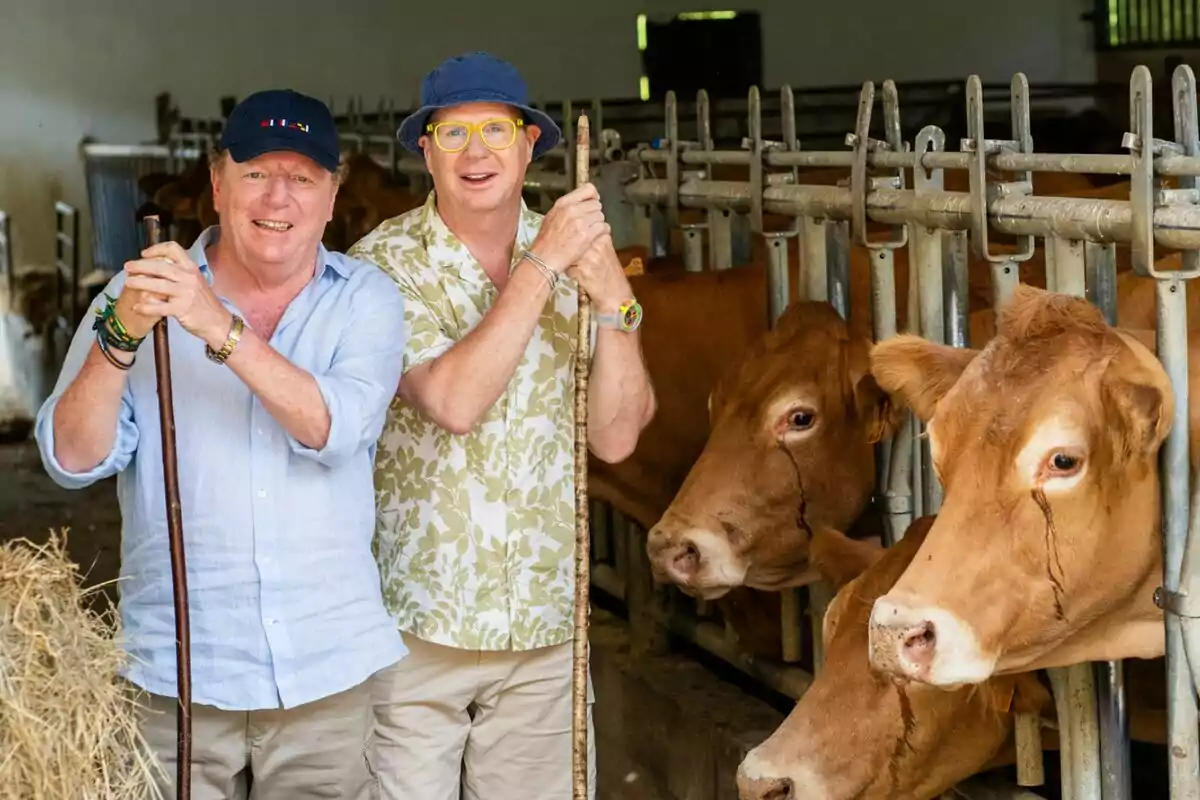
475 533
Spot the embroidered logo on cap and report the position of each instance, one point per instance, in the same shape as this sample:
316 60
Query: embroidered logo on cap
283 123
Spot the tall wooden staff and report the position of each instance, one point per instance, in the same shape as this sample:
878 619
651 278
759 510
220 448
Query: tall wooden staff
579 761
183 649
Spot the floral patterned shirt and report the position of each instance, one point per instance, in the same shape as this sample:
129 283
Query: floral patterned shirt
475 533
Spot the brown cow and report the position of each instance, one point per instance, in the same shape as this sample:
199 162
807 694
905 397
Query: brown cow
368 196
804 406
1036 438
703 322
858 735
734 520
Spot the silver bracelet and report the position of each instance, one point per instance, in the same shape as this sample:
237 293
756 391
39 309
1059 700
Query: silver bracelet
550 275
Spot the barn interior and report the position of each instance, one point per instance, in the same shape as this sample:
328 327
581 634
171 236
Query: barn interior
701 122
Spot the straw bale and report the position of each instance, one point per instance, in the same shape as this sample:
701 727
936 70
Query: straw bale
68 728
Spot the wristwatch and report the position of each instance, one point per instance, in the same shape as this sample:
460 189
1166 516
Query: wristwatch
627 318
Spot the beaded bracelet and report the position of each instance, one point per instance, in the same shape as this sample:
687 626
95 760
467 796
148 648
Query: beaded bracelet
103 345
109 327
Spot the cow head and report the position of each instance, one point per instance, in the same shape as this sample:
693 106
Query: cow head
1045 551
790 449
857 734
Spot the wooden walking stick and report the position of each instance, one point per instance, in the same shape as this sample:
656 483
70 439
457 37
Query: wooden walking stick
183 650
579 730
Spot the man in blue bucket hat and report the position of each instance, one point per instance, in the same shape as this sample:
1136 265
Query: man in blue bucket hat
474 470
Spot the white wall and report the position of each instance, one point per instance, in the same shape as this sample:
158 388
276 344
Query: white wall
73 69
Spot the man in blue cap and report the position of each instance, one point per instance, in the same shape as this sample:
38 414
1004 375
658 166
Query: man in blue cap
284 358
475 469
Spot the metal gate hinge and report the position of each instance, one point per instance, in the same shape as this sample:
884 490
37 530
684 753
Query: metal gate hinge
1178 603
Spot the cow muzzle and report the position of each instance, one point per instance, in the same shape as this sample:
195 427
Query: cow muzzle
765 774
765 788
701 563
925 644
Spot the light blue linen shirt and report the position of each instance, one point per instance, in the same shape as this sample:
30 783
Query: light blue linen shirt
284 594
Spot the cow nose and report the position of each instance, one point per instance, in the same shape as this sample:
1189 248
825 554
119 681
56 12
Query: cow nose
902 642
765 788
918 642
686 558
674 558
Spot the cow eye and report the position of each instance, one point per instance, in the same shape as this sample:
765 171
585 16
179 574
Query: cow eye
800 420
1062 464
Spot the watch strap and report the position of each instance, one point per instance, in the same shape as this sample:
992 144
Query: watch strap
627 318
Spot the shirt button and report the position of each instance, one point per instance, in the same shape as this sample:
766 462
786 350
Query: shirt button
260 432
262 492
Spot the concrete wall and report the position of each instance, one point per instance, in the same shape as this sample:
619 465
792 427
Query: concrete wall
69 70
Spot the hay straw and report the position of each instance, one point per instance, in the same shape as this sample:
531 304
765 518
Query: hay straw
68 728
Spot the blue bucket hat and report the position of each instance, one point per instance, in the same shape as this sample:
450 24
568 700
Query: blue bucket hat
475 78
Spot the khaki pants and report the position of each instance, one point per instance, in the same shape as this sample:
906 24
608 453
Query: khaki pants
317 750
480 725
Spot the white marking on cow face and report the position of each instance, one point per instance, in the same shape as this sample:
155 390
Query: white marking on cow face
926 644
759 776
1054 458
703 563
720 565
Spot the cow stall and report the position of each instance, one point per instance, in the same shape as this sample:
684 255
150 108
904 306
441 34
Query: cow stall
994 221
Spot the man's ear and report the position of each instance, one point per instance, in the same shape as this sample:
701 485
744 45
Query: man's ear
917 371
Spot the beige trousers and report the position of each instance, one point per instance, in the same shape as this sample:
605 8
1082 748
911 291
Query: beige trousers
477 725
317 750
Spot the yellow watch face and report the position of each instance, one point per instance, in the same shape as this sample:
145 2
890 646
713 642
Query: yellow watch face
631 315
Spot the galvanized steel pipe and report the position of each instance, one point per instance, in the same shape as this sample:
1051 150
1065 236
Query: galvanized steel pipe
1175 467
1176 226
1086 769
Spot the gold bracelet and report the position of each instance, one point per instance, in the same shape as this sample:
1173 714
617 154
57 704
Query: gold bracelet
235 336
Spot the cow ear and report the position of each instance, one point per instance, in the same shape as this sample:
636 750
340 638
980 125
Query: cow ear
876 405
917 371
1030 695
871 403
1144 412
840 559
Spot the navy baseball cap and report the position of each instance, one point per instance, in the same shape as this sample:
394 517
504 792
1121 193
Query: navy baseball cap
282 119
475 78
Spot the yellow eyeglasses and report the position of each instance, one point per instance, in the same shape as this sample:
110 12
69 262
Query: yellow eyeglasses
497 134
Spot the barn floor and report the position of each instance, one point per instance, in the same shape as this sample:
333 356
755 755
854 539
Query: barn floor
684 696
31 505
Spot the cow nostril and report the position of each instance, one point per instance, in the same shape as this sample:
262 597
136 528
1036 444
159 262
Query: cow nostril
688 558
920 639
780 790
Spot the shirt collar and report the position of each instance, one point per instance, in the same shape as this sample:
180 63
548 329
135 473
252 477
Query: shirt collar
433 228
210 235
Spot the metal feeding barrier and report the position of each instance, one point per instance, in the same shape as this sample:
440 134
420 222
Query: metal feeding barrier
1079 235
